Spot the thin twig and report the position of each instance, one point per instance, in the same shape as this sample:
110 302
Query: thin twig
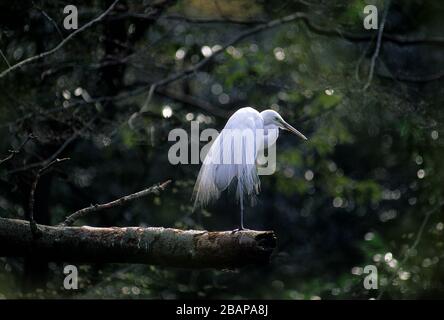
67 142
361 58
4 58
119 202
50 20
13 152
60 45
378 47
148 98
34 185
144 107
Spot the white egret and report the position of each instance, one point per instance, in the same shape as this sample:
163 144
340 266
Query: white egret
232 157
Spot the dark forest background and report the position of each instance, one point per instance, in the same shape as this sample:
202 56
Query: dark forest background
366 189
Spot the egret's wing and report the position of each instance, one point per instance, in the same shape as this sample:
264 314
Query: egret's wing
216 173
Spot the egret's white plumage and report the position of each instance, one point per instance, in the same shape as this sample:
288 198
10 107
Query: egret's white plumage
232 156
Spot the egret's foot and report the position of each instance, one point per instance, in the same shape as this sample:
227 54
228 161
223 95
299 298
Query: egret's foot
239 229
34 228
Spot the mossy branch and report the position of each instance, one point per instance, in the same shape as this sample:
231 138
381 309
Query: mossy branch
154 246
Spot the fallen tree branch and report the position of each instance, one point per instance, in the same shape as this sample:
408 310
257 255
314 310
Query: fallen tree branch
156 246
98 207
60 45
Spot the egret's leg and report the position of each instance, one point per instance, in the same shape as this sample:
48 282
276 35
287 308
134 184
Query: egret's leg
241 227
242 213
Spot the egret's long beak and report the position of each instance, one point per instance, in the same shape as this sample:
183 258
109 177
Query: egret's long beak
291 129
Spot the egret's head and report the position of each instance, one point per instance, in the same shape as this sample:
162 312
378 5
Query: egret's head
274 119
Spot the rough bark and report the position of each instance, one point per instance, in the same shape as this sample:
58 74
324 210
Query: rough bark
156 246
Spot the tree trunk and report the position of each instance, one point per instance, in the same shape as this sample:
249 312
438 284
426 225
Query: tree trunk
156 246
